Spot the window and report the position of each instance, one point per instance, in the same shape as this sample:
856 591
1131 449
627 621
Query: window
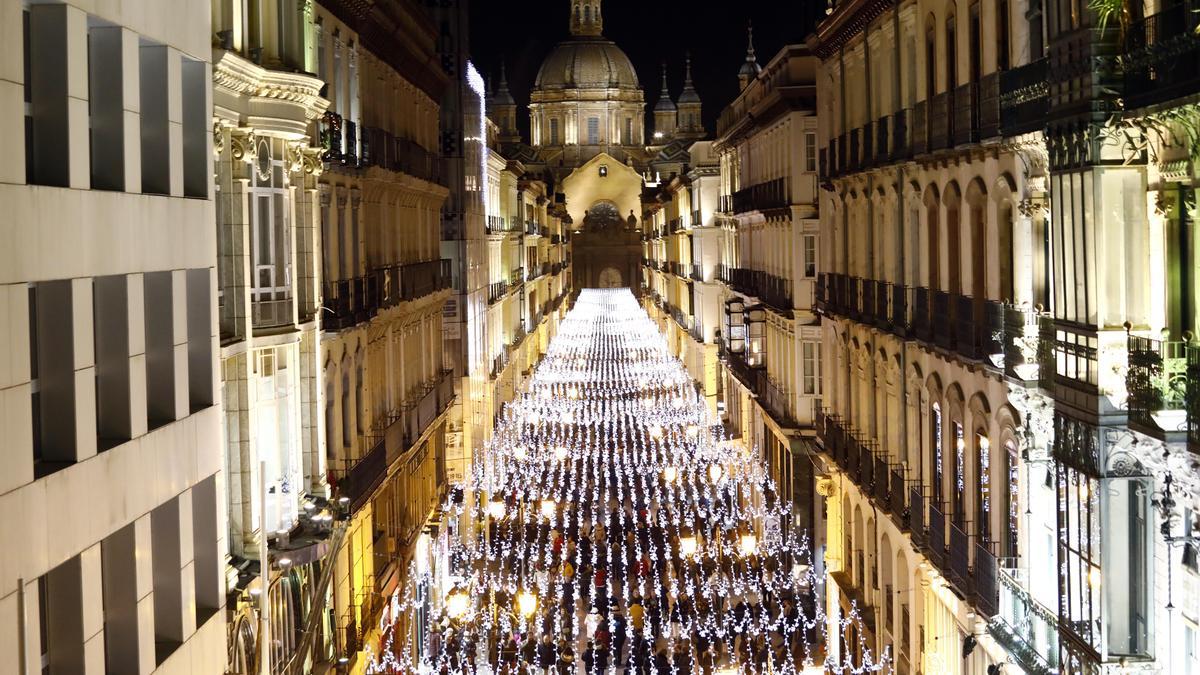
936 439
197 167
810 256
810 152
812 368
118 565
110 309
983 448
52 373
593 131
106 110
627 137
1002 35
975 39
155 118
1012 476
604 171
166 559
951 53
158 293
960 474
553 131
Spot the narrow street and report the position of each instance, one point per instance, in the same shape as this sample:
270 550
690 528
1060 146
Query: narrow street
618 528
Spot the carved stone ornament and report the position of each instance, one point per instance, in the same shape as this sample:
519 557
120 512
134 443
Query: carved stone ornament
242 145
218 140
1032 207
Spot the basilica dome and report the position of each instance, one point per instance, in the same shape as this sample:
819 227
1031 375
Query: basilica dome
586 63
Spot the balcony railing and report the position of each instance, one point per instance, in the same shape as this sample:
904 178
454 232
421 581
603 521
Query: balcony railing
1157 383
966 114
772 194
385 150
1023 98
496 291
273 313
773 399
331 137
941 121
1161 55
725 203
772 290
351 301
393 435
1025 627
900 137
920 128
882 127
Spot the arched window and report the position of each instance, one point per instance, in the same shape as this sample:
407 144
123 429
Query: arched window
930 60
959 489
935 440
934 244
975 37
953 202
983 509
347 409
951 52
1012 501
587 14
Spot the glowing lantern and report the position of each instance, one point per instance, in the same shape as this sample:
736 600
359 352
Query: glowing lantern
526 603
548 507
496 509
456 603
688 546
748 544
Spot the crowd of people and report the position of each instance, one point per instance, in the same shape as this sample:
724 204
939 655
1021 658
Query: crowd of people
617 529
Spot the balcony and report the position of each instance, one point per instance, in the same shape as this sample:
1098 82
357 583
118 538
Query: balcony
331 137
1023 98
965 126
900 137
920 128
881 139
772 290
772 194
1025 627
393 435
854 163
868 146
405 283
349 301
773 400
725 203
941 121
1161 53
500 225
383 149
988 106
496 291
1157 382
272 313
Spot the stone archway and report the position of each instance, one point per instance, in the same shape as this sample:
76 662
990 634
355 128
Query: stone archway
602 216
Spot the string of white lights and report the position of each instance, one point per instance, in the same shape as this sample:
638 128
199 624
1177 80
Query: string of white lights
610 522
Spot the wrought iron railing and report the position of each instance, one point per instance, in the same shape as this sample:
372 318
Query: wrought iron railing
1157 384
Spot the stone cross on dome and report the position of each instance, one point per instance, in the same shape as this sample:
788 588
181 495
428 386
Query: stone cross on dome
586 19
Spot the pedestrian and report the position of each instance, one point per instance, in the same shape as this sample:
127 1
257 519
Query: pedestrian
547 655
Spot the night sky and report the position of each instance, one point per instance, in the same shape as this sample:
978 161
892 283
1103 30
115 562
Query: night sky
650 31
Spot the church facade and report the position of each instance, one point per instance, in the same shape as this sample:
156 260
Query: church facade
588 139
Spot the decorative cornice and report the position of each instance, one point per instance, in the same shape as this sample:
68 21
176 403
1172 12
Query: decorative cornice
235 74
849 20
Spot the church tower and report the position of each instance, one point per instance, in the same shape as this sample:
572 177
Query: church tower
750 69
690 123
664 113
586 20
503 110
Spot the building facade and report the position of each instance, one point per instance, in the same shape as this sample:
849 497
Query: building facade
1008 330
768 207
109 389
386 388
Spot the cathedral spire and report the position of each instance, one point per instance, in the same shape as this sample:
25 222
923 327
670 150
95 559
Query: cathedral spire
664 99
586 19
750 69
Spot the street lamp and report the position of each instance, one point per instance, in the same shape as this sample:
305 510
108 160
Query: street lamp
548 507
526 603
688 545
520 453
748 544
457 602
670 474
560 452
496 509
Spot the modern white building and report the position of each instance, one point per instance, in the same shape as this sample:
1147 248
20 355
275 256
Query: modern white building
112 475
